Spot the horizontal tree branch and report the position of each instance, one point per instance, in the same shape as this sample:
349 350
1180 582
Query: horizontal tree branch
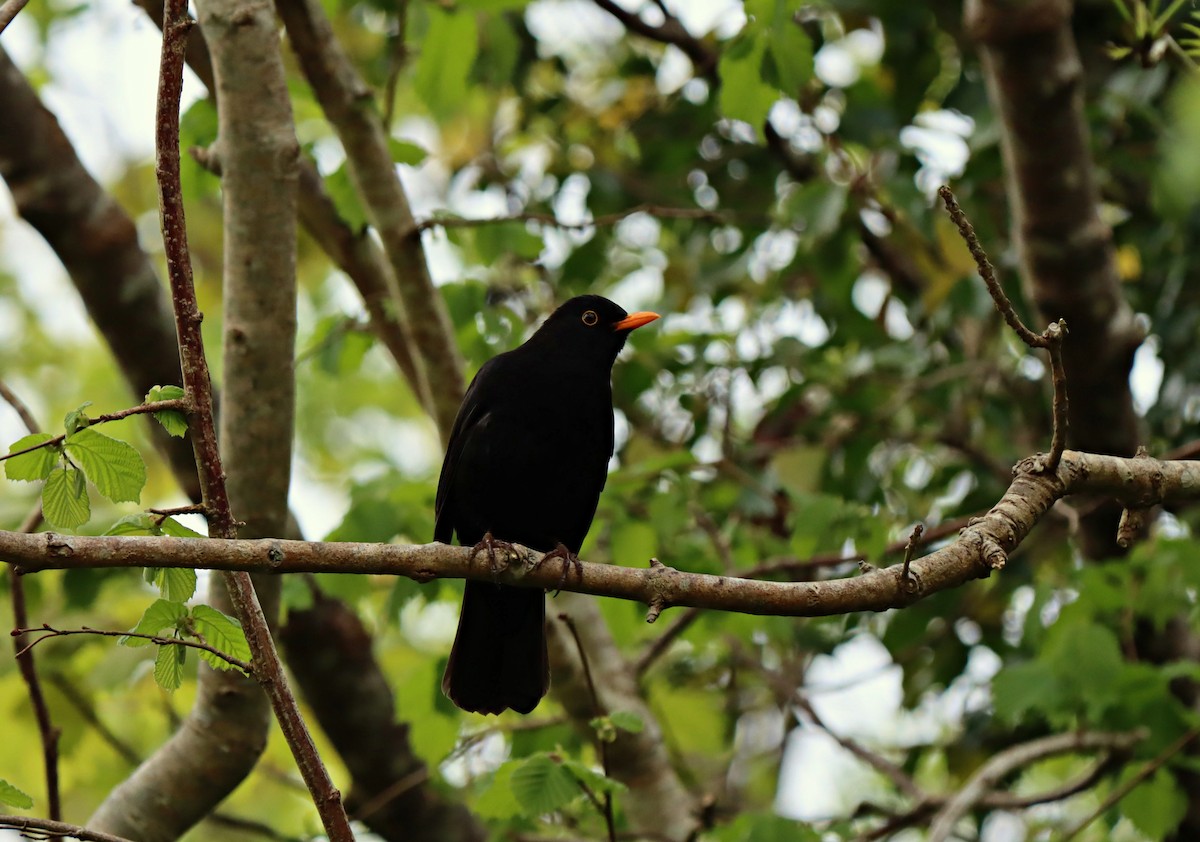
47 632
34 828
982 546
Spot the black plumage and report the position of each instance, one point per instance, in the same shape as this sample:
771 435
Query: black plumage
526 462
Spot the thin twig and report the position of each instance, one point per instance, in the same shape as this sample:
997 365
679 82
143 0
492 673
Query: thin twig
876 761
197 386
175 404
34 828
1055 335
50 632
1011 759
1128 786
601 746
1051 339
27 666
987 271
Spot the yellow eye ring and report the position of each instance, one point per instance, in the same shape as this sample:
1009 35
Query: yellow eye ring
590 318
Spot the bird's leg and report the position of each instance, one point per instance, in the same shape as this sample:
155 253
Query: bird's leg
569 560
489 545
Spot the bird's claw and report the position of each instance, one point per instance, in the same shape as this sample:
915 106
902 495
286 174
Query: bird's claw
569 560
489 545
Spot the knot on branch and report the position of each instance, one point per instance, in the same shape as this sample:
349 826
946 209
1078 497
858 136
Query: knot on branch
57 545
654 582
992 553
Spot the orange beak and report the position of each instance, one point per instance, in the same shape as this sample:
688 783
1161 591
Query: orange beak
634 320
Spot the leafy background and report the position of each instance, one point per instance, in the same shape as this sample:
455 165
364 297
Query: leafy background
828 372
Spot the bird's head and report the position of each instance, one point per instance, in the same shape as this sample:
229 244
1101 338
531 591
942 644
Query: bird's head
590 327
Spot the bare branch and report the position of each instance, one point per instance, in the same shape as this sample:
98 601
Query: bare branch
1011 759
9 11
982 546
34 828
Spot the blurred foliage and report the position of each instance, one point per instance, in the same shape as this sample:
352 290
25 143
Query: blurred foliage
828 372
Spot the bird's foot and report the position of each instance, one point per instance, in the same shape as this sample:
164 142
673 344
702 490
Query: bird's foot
489 545
569 560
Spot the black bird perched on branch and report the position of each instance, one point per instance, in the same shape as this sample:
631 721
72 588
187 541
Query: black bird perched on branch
526 462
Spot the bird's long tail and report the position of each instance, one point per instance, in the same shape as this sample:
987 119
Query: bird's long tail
499 656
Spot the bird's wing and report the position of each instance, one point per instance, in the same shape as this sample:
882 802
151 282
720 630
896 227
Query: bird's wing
471 414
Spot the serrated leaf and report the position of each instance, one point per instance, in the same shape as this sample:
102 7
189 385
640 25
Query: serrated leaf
161 614
542 785
135 524
168 666
75 419
14 797
594 779
447 54
220 632
177 584
64 499
113 466
175 529
35 465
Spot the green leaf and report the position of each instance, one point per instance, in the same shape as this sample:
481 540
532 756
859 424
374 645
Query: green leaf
498 800
791 50
744 95
407 152
36 464
447 53
594 779
175 529
1156 806
627 721
220 632
113 466
161 614
345 198
1021 688
175 423
12 796
542 785
177 584
168 666
64 499
140 523
75 419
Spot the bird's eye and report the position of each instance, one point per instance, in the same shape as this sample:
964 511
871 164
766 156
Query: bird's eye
590 318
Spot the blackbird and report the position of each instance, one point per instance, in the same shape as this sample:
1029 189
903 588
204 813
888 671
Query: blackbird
526 462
